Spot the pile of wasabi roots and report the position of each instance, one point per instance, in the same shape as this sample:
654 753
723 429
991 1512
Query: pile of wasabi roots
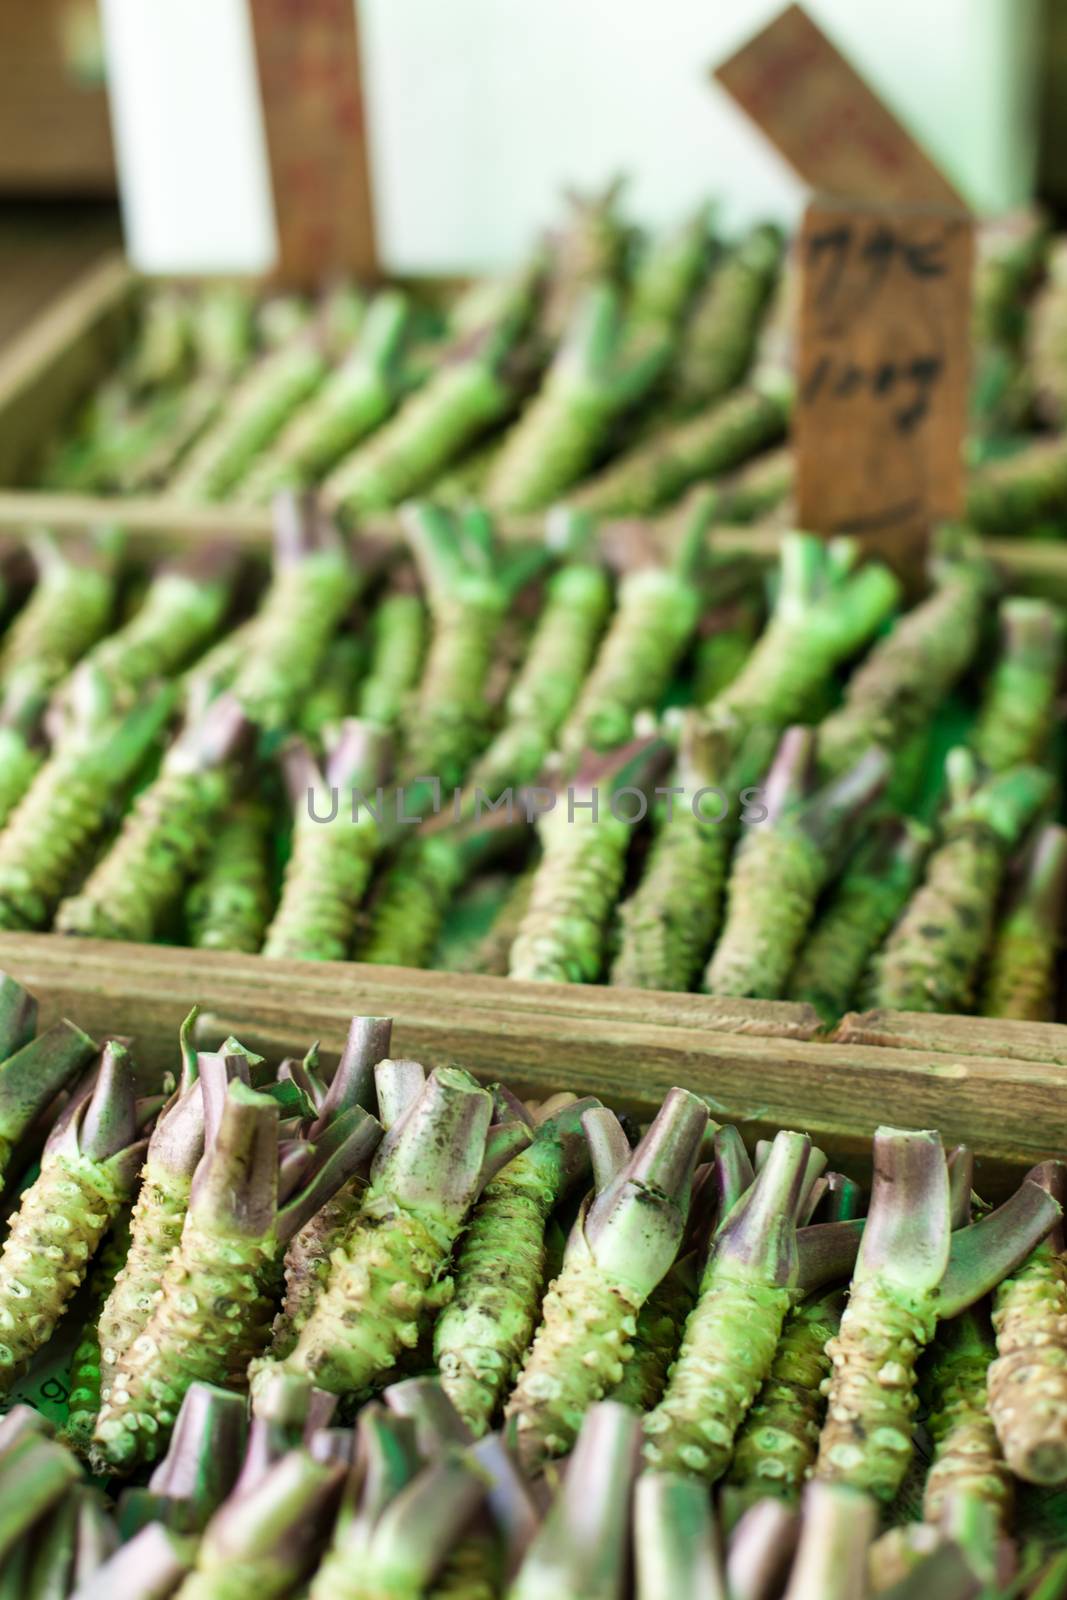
359 1329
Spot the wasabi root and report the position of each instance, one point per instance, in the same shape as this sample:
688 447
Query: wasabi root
1017 711
229 904
1020 980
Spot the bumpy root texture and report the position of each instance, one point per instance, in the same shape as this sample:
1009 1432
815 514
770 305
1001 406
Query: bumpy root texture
967 1459
732 1333
620 1248
1020 980
1016 716
1028 1380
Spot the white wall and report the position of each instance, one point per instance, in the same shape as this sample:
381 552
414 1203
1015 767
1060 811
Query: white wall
481 109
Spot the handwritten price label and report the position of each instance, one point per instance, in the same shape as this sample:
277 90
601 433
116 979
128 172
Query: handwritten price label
882 370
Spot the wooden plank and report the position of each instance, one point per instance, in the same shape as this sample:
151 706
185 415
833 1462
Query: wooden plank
882 373
932 1032
308 57
610 1042
44 373
824 118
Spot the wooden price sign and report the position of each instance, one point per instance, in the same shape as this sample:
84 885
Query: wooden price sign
308 59
884 258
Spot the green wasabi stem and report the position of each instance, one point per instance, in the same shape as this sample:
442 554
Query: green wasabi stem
96 1538
268 1539
200 1468
217 667
760 487
336 840
1028 1380
1020 979
215 1304
602 369
967 1464
424 1180
307 1258
162 348
673 456
36 1474
676 1542
149 1567
223 329
31 1078
314 584
563 936
182 609
22 743
1011 255
656 612
667 274
1051 1579
333 697
256 410
1013 494
582 1551
1018 707
470 390
931 959
386 1460
1047 341
550 678
912 1271
405 918
492 953
174 1151
85 1363
18 1017
20 1422
354 399
861 908
154 444
783 863
836 1531
68 610
722 332
229 904
483 1333
760 1551
280 318
668 923
727 635
88 1173
446 724
824 613
398 629
777 1442
54 826
165 834
621 1246
731 1335
494 1546
588 249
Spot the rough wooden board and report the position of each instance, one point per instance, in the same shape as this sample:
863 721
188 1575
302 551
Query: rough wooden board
825 120
612 1042
950 1035
308 60
883 370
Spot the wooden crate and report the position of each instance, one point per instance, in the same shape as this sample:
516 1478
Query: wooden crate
997 1086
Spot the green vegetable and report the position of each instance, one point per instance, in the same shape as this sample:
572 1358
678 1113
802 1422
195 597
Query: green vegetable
601 370
88 1172
588 249
68 610
836 1530
656 611
621 1245
333 696
469 391
336 840
405 917
721 334
727 636
85 1362
760 486
1011 494
967 1464
396 1256
1028 1380
354 400
582 1550
1020 980
200 1468
912 1271
398 629
1047 341
676 1543
493 952
859 911
930 960
1018 708
32 1075
667 925
782 864
228 906
673 456
483 1333
164 836
52 829
22 750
